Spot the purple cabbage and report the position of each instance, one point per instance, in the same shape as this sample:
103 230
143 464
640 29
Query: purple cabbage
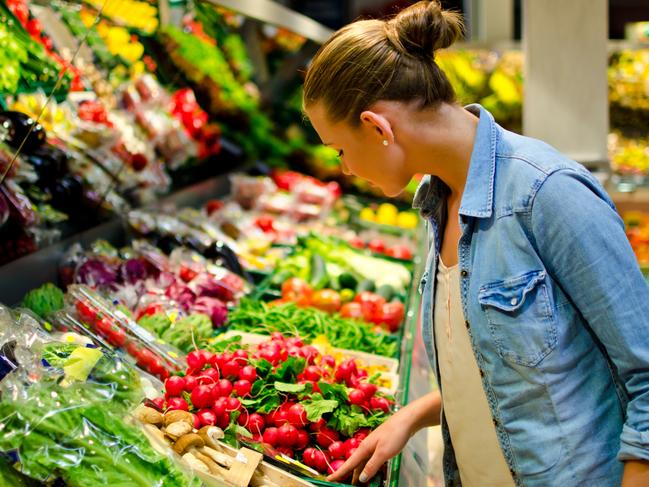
181 294
95 272
208 285
212 307
133 270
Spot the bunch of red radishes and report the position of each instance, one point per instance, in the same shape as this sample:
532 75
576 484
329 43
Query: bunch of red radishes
215 385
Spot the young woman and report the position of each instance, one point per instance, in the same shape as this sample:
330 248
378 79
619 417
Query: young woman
535 315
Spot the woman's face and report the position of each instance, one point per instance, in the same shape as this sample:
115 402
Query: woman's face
362 151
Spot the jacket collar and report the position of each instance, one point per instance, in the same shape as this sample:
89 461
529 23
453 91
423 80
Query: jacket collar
477 200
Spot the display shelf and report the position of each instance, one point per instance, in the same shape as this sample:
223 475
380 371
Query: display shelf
20 276
278 15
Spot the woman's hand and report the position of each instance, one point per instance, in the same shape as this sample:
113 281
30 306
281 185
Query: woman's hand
391 437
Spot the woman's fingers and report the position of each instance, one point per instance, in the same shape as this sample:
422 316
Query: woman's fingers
362 453
373 465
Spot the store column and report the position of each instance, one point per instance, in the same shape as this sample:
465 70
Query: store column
566 94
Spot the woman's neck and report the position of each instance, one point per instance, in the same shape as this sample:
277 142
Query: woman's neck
440 142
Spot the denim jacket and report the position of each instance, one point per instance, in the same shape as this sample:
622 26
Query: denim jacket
556 308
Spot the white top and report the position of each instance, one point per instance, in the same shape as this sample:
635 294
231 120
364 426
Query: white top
477 451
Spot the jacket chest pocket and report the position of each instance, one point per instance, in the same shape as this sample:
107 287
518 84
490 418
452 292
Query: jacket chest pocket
520 316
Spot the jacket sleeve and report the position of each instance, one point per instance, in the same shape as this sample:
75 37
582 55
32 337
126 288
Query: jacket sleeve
582 242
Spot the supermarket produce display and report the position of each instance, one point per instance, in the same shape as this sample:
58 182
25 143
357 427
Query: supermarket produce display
253 334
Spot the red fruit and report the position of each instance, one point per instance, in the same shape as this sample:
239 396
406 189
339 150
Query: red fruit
271 436
326 436
399 252
313 372
352 443
242 387
213 205
308 456
280 417
357 242
230 369
177 403
310 353
376 245
294 342
326 300
159 403
256 423
232 404
225 387
190 382
337 449
220 406
248 373
240 357
206 417
302 440
321 461
196 359
317 426
287 435
87 313
357 397
285 450
223 421
380 403
34 27
202 396
371 305
328 360
297 416
208 376
117 337
186 273
295 289
335 465
352 310
174 386
257 438
104 325
265 223
277 336
368 389
391 315
243 418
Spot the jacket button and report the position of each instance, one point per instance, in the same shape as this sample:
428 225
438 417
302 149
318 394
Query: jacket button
481 373
467 324
464 273
495 422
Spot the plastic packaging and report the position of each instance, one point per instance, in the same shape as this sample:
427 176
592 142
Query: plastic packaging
122 332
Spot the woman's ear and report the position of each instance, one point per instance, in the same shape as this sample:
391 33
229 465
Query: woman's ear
377 126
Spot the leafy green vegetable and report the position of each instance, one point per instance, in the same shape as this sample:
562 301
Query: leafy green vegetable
44 300
291 388
75 434
336 392
187 331
257 317
316 406
349 419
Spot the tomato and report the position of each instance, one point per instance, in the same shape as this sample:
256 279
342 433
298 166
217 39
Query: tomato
150 310
399 252
326 300
117 337
357 242
186 273
296 289
86 312
213 205
392 315
21 11
352 310
104 325
265 223
376 245
371 305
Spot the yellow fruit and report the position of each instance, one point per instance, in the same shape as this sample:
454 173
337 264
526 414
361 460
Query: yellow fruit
367 214
407 219
387 214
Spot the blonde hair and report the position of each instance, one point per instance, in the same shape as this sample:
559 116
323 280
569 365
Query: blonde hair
371 60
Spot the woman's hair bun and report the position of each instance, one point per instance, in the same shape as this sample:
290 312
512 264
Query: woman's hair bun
423 28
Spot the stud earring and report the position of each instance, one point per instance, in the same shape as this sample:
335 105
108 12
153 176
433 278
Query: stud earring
385 142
